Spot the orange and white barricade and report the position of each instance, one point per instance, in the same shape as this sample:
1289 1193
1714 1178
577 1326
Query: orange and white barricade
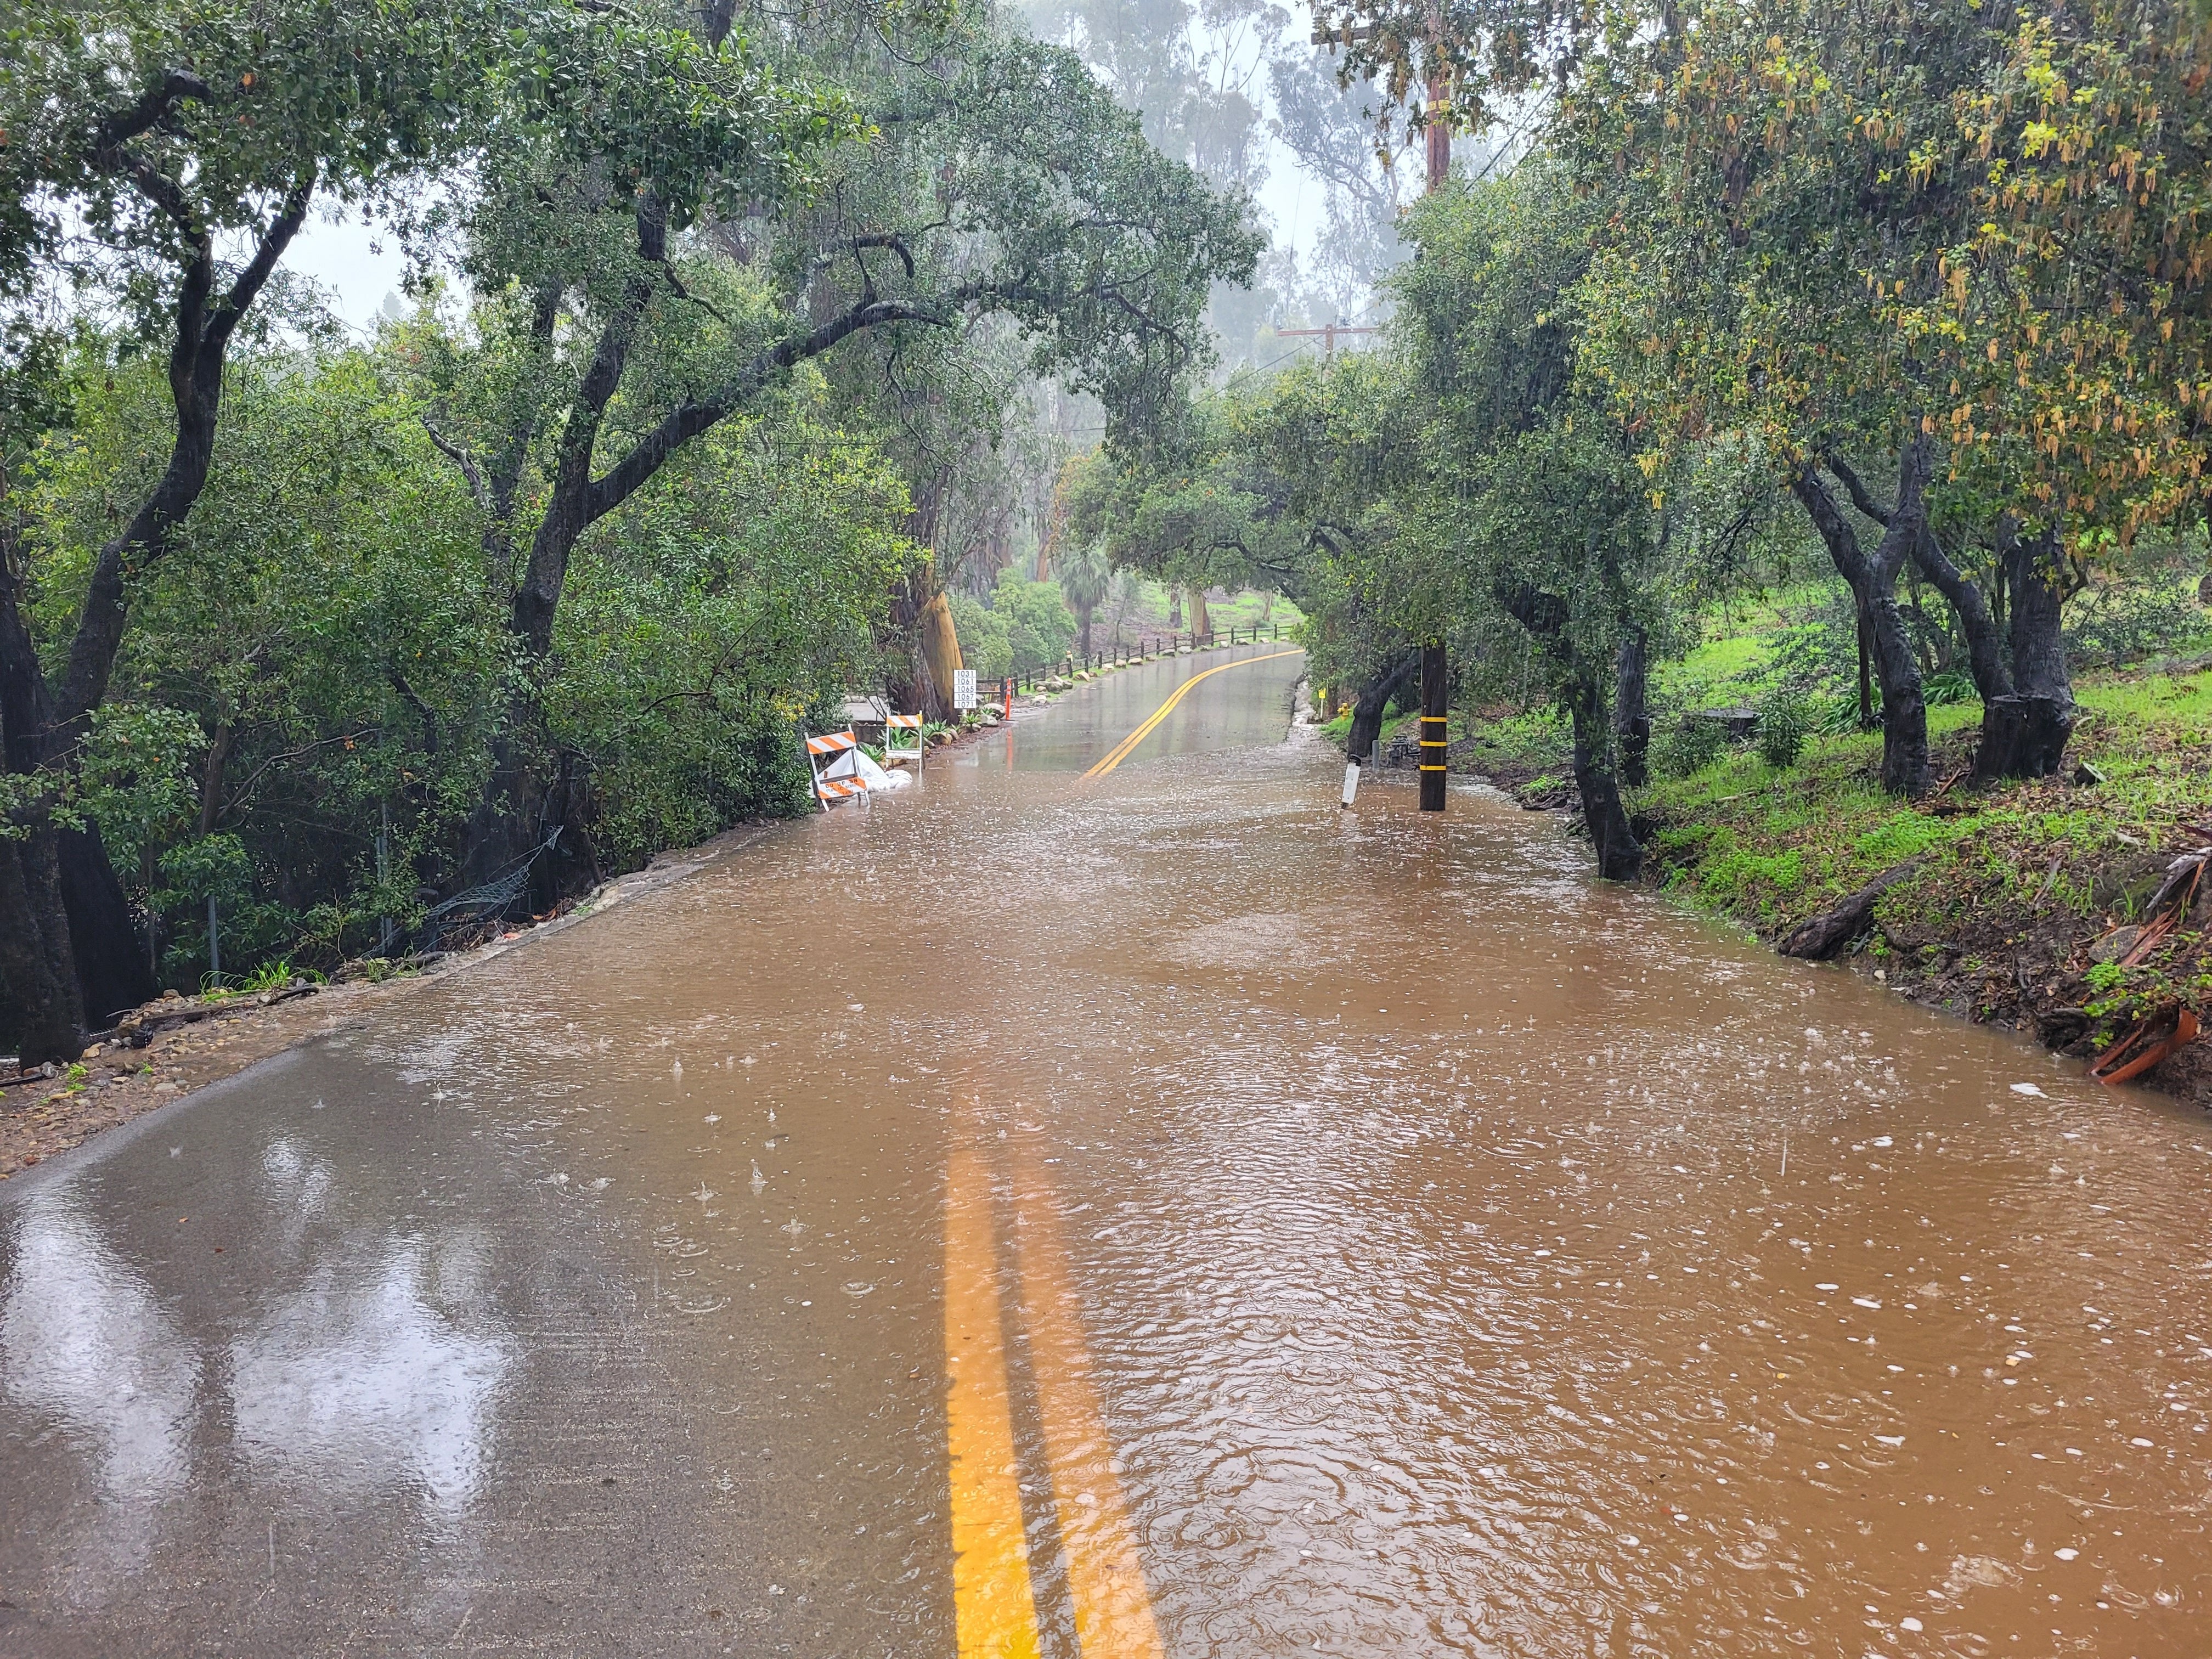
827 757
902 738
841 769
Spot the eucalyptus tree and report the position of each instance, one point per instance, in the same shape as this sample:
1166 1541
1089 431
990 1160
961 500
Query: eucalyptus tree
713 210
159 159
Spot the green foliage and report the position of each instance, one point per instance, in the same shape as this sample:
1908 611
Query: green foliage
1785 720
697 623
985 646
2117 623
1687 746
598 543
1952 685
1025 629
324 648
1039 630
679 785
209 109
1764 881
1084 574
1903 836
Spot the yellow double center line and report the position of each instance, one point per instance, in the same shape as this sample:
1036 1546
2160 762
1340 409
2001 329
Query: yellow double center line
995 1601
993 1607
1122 749
994 1597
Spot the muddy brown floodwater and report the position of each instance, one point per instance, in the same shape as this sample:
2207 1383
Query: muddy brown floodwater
1163 1214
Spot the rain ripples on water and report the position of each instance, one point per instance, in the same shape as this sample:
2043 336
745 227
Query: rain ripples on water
1469 1259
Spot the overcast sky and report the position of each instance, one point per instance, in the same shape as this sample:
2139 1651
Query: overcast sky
339 257
344 259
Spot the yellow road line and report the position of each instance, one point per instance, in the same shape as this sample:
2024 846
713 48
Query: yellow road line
995 1608
1112 1611
1120 751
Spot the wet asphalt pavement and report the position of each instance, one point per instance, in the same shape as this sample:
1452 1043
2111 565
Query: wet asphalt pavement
1153 1214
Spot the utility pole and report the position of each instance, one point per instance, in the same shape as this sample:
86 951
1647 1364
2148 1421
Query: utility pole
1436 134
1435 750
1327 332
1433 741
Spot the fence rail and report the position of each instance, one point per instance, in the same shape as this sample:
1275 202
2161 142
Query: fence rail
1145 647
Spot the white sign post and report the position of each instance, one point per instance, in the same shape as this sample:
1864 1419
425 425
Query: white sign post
1351 783
963 688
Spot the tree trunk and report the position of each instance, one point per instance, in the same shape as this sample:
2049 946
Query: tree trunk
1367 712
37 971
112 974
1619 856
572 504
906 677
218 755
1083 629
1175 610
1202 625
1821 937
38 964
2024 734
1866 668
1903 707
510 821
2015 731
519 809
941 652
1984 646
1631 720
1873 579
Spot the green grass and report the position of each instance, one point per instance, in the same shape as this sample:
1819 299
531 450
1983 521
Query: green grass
2013 884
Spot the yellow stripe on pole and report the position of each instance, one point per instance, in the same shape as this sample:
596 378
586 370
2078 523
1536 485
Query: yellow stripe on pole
1120 751
1105 1579
995 1608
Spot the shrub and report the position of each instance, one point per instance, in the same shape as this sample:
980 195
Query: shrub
1039 627
2120 621
984 646
1784 720
1691 746
1842 714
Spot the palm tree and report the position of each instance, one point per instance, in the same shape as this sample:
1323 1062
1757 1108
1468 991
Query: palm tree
1084 577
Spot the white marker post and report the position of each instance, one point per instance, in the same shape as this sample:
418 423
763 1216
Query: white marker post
1351 783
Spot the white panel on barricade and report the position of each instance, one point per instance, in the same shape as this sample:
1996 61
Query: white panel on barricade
841 771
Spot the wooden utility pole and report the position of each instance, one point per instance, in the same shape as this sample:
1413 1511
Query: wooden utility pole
1432 727
1434 702
1436 133
1327 333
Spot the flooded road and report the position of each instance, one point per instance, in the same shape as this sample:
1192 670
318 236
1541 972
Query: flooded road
1158 1213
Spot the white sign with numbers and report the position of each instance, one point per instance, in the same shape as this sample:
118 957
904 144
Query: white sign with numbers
963 688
